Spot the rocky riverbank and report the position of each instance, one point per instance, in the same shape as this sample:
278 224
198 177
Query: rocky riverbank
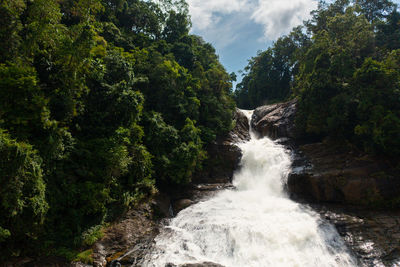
372 236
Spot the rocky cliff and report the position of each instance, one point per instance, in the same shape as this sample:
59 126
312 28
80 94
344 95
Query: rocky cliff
331 172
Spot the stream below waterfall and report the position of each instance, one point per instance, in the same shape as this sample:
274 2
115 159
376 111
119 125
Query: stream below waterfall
254 224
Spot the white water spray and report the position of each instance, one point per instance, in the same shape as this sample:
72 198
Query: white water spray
255 224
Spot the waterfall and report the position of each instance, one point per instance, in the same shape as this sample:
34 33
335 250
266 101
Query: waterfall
255 224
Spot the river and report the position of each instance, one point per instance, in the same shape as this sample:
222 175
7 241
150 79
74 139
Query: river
255 224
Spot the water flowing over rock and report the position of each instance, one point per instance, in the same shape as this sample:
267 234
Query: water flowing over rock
253 224
343 182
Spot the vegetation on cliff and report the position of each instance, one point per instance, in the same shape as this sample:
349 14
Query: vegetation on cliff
343 65
101 103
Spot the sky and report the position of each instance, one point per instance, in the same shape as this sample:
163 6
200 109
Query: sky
239 28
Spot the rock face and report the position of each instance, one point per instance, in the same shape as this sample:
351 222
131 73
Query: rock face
224 155
223 159
126 242
241 130
181 204
331 173
275 121
373 236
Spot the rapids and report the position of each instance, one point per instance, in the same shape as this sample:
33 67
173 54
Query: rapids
255 224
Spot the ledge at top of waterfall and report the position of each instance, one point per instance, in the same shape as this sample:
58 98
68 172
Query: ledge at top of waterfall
255 224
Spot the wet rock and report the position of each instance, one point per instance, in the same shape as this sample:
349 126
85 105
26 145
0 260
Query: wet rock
128 240
162 205
223 159
199 192
181 204
336 174
80 264
275 121
372 236
114 263
241 130
213 187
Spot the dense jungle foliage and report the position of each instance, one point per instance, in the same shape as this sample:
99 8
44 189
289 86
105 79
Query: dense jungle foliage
102 102
343 66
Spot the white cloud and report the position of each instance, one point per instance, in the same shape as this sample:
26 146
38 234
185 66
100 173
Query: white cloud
207 13
226 31
276 16
280 16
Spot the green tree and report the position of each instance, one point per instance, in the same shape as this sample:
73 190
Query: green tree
379 105
269 76
326 73
10 27
76 78
22 195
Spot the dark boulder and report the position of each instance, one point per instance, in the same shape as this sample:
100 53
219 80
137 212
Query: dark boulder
338 175
181 204
161 205
276 120
223 159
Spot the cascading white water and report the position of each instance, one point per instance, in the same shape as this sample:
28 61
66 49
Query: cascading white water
256 224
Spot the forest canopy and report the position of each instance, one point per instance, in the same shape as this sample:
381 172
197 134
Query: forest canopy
343 66
102 103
